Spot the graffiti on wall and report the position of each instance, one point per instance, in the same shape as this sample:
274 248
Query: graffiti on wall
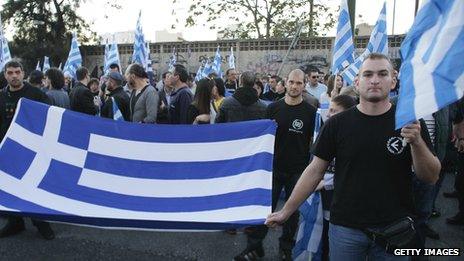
271 62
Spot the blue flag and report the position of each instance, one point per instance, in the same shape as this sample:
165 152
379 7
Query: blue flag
74 58
111 56
76 168
432 72
140 54
217 63
343 52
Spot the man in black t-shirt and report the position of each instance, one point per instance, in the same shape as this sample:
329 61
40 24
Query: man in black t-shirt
295 127
9 98
372 183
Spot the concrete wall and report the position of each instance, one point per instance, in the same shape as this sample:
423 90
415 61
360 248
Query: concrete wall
261 56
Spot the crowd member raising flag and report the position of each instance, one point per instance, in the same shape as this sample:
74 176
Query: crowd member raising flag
378 43
432 73
140 54
343 53
74 58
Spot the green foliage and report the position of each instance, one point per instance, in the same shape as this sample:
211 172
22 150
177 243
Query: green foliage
261 18
44 28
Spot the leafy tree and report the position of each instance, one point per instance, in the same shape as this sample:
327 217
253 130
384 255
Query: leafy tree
44 28
261 18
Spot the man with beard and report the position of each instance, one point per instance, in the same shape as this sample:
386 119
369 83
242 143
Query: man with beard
295 126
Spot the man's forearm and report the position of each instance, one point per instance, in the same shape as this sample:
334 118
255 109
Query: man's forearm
426 165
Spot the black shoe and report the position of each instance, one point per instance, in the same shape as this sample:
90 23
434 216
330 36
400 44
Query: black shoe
45 230
453 194
456 220
430 233
435 213
12 227
285 254
250 254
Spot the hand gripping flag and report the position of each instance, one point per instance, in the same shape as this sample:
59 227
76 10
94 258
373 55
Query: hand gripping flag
343 52
378 43
72 167
432 72
74 58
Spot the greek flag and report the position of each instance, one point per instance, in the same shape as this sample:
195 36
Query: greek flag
46 64
217 63
207 69
74 58
343 53
378 43
172 60
37 66
111 56
199 74
432 72
308 244
72 167
5 55
140 54
231 58
117 115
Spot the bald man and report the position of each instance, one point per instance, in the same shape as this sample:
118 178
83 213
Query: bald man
295 127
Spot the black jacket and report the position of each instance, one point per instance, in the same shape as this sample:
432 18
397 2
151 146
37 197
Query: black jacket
244 105
81 100
122 100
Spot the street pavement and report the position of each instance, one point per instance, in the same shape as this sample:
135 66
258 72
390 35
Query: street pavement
85 243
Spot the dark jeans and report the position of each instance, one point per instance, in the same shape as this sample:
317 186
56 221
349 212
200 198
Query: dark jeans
459 183
423 202
280 180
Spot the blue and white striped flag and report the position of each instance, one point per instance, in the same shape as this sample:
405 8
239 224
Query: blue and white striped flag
199 75
432 72
117 115
76 168
46 64
74 58
207 69
378 43
37 66
5 55
111 56
172 59
308 244
217 63
343 52
231 58
140 54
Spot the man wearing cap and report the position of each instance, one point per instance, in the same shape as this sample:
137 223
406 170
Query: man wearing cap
115 93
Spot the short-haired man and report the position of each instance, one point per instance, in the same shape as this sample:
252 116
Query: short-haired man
314 87
295 126
181 97
36 79
17 88
81 98
115 93
144 98
244 104
373 174
271 94
164 98
231 83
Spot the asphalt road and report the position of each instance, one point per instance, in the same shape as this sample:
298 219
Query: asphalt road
84 243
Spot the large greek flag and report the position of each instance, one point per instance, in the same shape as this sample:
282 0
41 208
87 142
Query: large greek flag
343 53
74 58
378 43
432 72
66 166
140 54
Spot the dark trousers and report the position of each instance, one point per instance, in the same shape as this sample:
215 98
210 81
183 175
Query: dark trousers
15 220
459 183
280 180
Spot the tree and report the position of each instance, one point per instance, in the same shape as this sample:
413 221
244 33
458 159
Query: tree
261 18
44 28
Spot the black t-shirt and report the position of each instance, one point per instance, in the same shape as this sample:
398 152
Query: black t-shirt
9 102
295 127
372 182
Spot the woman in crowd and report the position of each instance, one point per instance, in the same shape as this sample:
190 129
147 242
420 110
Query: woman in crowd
54 79
218 93
199 112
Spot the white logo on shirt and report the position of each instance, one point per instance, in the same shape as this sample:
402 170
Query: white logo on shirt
297 124
395 145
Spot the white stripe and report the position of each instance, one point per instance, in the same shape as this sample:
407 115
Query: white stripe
180 152
175 188
346 45
46 199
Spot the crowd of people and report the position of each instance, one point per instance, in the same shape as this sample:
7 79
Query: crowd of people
371 176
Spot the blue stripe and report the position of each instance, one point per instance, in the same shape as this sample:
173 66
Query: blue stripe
32 116
405 111
309 214
433 14
29 209
178 170
62 179
15 159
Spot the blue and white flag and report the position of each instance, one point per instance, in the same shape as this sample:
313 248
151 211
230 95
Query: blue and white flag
5 55
217 63
117 115
207 69
172 60
432 72
378 43
199 75
46 64
37 66
74 58
140 54
111 56
76 168
231 58
343 52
